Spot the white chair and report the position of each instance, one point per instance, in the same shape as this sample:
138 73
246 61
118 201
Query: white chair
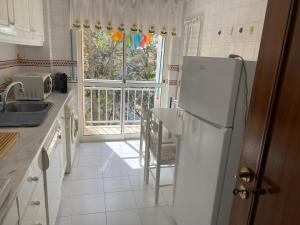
163 152
143 133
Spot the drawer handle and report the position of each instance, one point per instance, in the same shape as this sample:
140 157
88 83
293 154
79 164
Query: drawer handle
35 179
35 203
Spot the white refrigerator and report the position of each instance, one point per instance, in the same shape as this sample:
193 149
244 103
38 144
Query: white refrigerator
213 94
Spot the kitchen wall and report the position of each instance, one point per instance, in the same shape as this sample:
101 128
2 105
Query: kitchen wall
8 54
229 26
54 56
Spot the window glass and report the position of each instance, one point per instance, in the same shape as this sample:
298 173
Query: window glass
141 63
103 57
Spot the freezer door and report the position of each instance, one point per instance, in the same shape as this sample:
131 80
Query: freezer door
209 88
201 170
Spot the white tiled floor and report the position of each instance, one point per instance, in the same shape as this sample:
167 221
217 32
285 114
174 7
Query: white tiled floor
106 187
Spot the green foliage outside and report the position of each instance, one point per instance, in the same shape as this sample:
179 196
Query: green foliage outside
103 60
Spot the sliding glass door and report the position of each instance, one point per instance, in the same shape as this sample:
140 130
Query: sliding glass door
119 80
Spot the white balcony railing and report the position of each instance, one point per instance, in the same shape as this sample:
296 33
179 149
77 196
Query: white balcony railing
103 105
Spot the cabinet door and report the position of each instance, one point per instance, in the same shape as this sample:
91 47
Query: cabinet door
12 217
21 11
37 19
36 210
63 146
4 12
54 180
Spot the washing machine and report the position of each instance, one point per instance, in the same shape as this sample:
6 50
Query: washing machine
71 132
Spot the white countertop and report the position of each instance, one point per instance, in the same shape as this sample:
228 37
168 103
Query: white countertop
170 118
16 162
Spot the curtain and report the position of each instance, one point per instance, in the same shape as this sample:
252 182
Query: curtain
143 16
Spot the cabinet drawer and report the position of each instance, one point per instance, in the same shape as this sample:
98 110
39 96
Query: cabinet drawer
12 216
32 178
35 212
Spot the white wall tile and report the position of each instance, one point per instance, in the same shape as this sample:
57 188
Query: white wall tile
228 16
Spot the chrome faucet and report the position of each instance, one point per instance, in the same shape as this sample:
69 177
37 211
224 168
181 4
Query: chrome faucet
6 92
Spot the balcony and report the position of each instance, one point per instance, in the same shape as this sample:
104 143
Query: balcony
104 107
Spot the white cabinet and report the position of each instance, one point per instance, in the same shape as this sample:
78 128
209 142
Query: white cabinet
7 16
22 22
12 217
37 19
54 150
29 184
30 197
35 212
4 13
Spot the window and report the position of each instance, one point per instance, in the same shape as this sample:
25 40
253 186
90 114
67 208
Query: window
112 104
103 58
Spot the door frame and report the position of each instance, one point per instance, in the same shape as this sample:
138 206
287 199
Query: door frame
267 78
123 84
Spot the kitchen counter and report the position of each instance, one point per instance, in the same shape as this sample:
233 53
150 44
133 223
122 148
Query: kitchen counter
18 160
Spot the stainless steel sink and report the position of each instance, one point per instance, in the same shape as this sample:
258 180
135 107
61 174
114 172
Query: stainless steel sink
24 114
28 106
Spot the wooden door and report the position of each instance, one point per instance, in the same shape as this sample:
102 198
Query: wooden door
272 141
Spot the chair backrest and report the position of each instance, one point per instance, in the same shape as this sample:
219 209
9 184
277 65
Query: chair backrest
144 117
155 131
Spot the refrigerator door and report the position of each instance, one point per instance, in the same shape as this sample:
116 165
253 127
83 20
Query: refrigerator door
209 88
201 170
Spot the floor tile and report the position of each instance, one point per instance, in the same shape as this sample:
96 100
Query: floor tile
138 183
113 168
133 166
135 144
146 198
114 171
167 193
83 187
156 215
96 160
94 149
119 201
123 218
85 172
86 204
123 150
89 219
116 184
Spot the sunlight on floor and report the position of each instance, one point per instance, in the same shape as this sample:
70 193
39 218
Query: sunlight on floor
111 130
106 187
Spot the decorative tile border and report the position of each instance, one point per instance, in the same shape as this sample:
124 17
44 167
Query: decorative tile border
8 63
46 63
174 68
171 82
37 63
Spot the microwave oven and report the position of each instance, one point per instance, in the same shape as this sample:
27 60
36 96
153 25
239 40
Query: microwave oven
37 86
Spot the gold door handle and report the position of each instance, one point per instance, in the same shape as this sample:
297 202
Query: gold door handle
244 178
242 192
245 175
